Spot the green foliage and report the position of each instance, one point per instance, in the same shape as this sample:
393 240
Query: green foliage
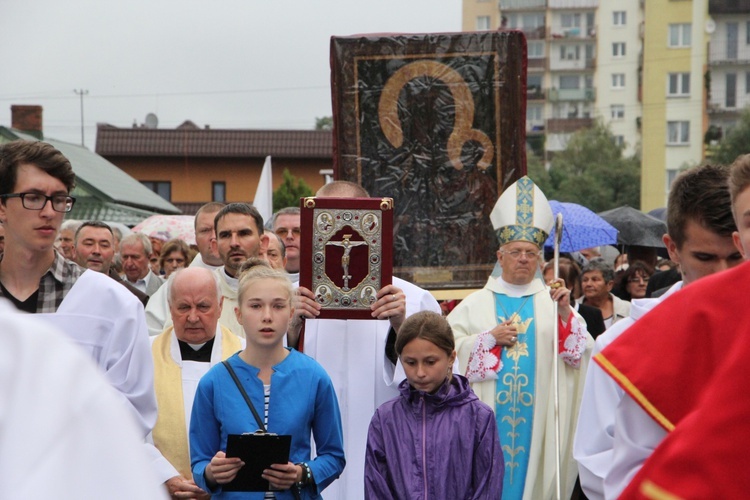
324 123
735 143
290 191
591 171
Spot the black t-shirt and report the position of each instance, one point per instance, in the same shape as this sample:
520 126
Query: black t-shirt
28 305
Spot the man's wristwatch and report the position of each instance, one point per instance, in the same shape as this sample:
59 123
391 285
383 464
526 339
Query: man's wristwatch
306 475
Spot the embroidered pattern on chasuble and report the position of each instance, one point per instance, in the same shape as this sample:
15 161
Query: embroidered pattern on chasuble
515 391
170 432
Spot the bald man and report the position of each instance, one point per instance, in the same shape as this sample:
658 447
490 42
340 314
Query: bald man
182 354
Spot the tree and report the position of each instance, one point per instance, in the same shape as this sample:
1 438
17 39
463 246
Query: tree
735 143
590 171
290 191
324 123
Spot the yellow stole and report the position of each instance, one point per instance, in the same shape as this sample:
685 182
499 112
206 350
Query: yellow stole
170 431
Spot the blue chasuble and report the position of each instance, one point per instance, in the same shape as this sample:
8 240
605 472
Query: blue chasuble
514 401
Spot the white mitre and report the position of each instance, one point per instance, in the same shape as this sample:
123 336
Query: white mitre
522 213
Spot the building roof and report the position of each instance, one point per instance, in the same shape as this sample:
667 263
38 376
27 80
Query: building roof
101 184
216 143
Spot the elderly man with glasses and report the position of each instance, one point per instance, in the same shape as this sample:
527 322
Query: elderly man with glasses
505 342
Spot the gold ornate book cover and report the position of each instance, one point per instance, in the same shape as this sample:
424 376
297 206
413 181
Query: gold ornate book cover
346 253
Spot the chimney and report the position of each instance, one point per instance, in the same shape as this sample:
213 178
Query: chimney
28 119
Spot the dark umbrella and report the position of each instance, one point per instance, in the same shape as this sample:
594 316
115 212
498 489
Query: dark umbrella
659 213
635 227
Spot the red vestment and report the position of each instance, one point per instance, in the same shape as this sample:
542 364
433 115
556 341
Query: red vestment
686 364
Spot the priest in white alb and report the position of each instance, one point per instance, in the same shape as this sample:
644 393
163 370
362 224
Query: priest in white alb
357 357
506 345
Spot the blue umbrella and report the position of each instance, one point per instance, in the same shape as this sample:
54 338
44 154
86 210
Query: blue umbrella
582 228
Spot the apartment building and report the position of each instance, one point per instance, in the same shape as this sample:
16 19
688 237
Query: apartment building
583 60
728 26
618 76
646 69
674 93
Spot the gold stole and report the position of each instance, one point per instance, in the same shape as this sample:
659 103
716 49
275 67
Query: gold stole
170 431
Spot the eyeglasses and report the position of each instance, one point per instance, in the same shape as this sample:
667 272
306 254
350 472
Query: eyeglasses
516 254
636 279
37 201
283 231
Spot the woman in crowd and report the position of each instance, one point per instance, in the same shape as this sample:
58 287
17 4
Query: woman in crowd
633 282
175 254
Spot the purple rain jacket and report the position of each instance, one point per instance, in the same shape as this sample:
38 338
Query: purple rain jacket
434 446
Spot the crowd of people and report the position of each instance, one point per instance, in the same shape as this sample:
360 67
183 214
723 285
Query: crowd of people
532 387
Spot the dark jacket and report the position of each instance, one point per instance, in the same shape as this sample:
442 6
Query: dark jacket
141 296
439 446
594 320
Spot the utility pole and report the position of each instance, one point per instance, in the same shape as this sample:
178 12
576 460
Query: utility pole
81 93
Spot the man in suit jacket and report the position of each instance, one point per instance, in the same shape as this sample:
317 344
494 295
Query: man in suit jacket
135 250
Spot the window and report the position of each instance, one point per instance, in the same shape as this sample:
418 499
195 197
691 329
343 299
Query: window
678 84
536 50
531 21
747 32
678 133
619 18
731 97
617 111
568 82
679 35
570 52
618 49
162 188
747 82
219 191
534 114
534 86
671 176
732 40
570 20
483 23
618 80
620 140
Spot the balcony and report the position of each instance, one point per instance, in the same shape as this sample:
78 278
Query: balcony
538 33
557 95
573 4
568 125
591 63
568 64
537 63
522 4
574 33
534 93
725 61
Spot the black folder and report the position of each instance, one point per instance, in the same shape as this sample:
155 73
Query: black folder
258 451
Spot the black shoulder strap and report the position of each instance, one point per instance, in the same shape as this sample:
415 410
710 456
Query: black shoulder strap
244 395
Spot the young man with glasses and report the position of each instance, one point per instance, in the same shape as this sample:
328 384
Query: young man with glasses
504 340
101 316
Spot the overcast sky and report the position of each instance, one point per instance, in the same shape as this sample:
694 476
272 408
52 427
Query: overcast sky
223 63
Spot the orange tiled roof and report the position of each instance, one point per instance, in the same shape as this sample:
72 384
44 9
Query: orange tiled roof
189 141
